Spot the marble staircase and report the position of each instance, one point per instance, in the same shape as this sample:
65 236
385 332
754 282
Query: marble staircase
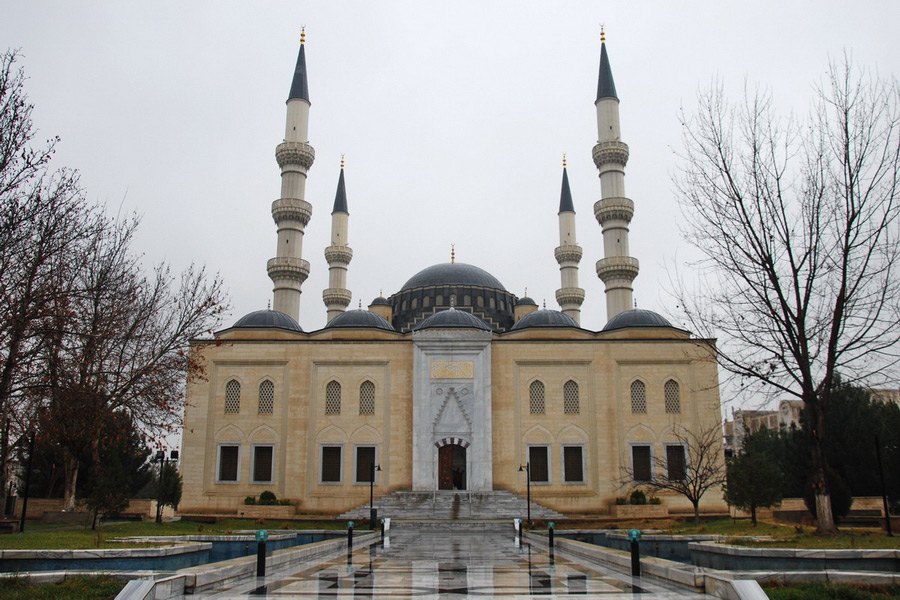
452 506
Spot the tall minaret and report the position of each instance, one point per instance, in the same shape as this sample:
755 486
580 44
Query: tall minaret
568 254
291 212
338 254
613 211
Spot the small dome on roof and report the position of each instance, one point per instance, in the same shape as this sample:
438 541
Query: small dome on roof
525 301
545 318
380 301
636 317
453 318
359 318
453 274
268 319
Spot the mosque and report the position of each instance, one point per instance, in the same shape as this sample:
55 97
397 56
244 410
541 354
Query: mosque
452 382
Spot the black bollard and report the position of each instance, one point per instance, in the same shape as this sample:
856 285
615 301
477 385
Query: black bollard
261 559
550 533
635 558
349 537
382 531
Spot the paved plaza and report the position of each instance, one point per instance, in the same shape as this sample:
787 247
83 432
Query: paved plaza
444 564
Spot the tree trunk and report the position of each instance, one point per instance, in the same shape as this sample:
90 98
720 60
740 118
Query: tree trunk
71 466
696 504
753 514
824 518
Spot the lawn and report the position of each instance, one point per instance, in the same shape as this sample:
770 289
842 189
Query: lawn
789 536
35 538
79 587
819 591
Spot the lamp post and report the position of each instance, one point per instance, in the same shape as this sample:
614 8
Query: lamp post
527 469
163 461
373 514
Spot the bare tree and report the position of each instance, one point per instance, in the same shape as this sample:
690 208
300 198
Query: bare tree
797 221
691 465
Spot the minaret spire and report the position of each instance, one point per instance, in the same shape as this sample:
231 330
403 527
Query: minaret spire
338 255
614 210
568 254
291 212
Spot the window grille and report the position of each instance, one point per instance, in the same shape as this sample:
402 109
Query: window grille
675 462
266 397
539 464
263 463
333 398
232 397
640 463
571 403
331 464
228 463
638 397
673 397
536 396
573 465
367 398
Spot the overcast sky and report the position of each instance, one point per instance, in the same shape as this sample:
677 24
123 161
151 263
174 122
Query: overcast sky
453 118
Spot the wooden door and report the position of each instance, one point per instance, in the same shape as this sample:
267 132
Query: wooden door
445 467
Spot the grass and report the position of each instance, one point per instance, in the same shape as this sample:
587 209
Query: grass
78 537
79 587
821 591
789 536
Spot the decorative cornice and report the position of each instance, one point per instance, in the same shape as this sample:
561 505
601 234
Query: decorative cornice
292 209
336 296
570 253
569 296
617 267
288 267
614 208
338 255
295 153
610 152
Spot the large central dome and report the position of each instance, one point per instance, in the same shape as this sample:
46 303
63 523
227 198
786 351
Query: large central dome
453 274
464 287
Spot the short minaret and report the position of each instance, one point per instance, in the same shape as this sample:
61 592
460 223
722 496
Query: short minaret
568 254
613 211
338 254
291 212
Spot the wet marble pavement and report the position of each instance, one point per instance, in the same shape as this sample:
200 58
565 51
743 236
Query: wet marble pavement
436 565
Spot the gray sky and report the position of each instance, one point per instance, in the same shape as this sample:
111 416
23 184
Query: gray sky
453 118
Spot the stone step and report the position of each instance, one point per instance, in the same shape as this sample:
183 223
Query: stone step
446 505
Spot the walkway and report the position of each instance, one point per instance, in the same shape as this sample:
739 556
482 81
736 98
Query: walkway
452 565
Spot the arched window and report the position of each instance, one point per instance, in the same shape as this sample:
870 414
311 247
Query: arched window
638 397
367 398
232 397
479 300
426 301
266 397
414 304
439 300
452 299
333 398
571 403
467 300
673 397
492 302
536 398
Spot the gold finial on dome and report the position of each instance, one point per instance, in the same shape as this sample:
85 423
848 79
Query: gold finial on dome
342 162
303 35
564 160
602 35
452 253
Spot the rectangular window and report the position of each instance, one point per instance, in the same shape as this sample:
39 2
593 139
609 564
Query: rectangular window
641 458
263 463
229 460
331 464
573 464
675 462
539 464
365 461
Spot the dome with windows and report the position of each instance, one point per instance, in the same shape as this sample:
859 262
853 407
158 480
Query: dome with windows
636 317
359 318
262 319
545 318
525 301
452 318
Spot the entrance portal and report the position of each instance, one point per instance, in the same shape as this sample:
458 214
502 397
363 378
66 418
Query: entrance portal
451 467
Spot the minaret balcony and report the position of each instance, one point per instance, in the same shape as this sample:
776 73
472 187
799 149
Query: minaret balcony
569 254
569 296
336 297
617 267
338 255
610 152
288 267
292 209
295 153
613 209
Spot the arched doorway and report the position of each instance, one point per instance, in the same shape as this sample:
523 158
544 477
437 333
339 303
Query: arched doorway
451 467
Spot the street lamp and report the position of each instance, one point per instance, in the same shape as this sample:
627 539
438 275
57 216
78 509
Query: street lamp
373 514
162 460
527 469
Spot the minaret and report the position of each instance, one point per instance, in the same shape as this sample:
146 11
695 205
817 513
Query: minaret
291 212
568 254
338 254
613 211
